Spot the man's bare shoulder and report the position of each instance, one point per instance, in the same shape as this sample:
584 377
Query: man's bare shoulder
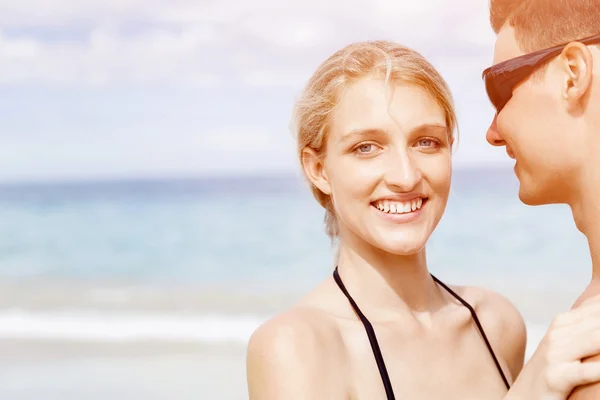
295 354
503 324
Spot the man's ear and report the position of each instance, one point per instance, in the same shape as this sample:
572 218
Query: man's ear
314 169
577 63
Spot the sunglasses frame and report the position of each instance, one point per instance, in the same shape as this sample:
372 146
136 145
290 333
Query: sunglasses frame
501 79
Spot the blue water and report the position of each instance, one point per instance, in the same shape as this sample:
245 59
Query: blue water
253 232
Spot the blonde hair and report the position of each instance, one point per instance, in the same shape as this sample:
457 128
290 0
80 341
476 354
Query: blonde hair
395 62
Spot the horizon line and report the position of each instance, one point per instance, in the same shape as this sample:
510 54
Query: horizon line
199 176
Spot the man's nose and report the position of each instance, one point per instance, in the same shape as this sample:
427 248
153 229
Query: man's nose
493 136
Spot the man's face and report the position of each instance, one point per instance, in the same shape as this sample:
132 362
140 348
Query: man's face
538 130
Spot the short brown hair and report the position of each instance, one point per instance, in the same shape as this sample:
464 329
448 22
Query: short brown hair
393 62
539 24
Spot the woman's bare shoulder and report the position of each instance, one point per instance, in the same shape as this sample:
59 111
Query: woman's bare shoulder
301 325
495 308
502 322
310 323
295 353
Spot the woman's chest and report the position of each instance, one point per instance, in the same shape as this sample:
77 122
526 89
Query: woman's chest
448 365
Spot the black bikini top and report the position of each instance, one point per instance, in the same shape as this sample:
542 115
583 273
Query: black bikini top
375 346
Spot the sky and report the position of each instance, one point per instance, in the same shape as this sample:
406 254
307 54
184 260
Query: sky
149 88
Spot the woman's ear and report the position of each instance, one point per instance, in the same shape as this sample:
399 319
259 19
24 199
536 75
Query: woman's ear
313 166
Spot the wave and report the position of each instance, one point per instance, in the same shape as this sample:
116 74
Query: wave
94 326
85 325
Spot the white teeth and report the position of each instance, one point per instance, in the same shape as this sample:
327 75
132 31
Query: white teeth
396 207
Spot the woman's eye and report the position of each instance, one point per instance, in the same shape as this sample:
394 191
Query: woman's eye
365 148
428 143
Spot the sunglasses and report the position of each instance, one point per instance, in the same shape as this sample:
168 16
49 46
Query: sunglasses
501 79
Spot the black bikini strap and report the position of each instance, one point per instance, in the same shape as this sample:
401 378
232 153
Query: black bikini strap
474 315
387 384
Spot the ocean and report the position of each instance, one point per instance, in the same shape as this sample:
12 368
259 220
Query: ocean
95 276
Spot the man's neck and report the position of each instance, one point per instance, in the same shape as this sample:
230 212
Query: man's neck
586 213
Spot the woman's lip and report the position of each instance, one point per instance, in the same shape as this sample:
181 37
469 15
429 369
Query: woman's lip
401 217
403 198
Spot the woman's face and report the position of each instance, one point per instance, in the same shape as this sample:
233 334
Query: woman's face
387 166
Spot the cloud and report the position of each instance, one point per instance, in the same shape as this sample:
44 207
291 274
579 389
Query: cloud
107 132
149 87
210 42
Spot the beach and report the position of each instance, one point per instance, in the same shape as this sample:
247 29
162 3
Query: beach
131 369
143 370
155 353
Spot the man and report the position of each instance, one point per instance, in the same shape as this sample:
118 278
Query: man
545 87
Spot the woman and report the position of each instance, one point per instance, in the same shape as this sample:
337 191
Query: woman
375 129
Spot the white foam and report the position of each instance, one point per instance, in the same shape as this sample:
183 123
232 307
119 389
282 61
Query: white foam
121 327
87 325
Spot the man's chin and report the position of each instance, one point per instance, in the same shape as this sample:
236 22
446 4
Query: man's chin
531 197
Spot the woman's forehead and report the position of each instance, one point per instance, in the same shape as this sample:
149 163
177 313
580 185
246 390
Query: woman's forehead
375 104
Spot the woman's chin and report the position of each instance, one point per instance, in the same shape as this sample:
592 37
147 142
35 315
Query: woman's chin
397 240
401 247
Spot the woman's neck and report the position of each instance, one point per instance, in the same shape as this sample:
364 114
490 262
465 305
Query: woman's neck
386 285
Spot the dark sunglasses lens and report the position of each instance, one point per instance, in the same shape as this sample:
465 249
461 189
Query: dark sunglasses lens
492 93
